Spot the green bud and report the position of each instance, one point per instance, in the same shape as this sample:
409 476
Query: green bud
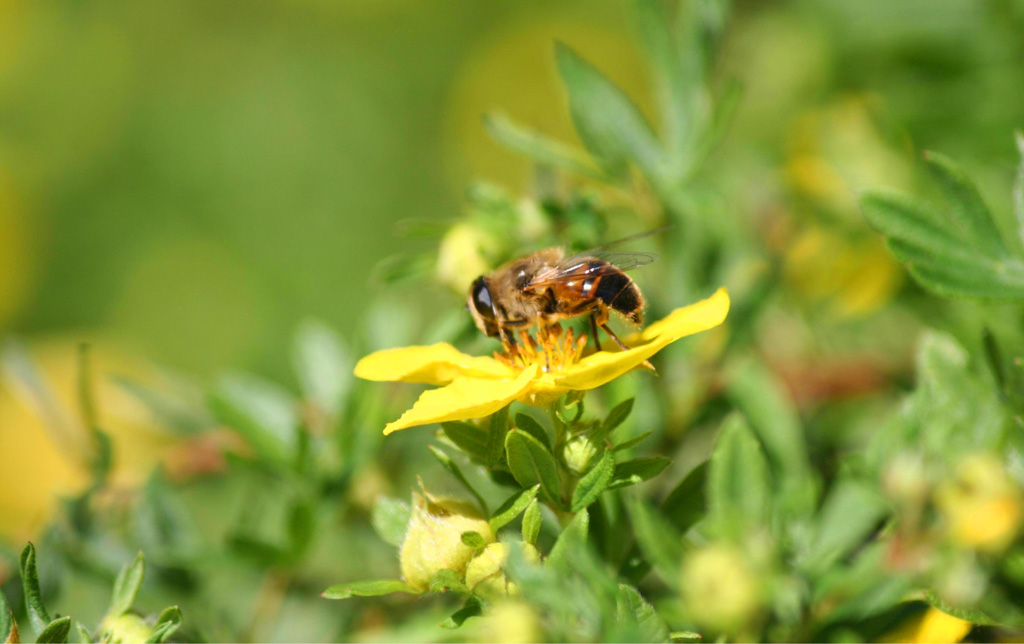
485 574
125 629
580 452
433 541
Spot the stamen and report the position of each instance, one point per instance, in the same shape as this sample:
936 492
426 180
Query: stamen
553 347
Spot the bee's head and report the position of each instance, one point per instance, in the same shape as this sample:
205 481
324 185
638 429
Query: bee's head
481 307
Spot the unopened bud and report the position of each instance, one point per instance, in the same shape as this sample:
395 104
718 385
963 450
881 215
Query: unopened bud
580 452
433 541
125 629
720 591
982 505
485 574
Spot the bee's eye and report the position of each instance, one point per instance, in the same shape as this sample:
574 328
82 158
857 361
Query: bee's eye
482 297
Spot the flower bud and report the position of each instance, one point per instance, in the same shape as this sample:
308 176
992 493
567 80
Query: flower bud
433 541
509 622
462 255
982 506
580 452
125 629
720 591
485 574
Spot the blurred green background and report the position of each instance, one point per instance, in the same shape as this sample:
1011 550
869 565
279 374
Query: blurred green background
184 182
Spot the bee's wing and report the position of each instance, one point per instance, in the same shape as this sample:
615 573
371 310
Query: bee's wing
589 264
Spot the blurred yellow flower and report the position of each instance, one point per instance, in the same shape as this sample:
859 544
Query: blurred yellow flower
474 387
932 626
721 590
982 506
40 464
464 253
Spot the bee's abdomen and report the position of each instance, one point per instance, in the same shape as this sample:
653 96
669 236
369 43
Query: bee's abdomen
619 292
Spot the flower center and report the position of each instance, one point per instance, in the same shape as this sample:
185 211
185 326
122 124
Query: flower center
554 349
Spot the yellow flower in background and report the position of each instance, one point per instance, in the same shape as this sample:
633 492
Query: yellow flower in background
932 626
39 462
473 387
982 506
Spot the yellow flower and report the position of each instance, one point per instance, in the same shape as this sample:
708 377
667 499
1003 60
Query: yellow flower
474 387
932 626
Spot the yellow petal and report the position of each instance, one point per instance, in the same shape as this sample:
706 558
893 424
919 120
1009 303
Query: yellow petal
932 626
436 364
688 320
464 398
604 366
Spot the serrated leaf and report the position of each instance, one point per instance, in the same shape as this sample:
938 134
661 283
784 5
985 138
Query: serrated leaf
454 469
529 425
607 121
166 624
56 631
473 540
966 208
594 482
538 147
638 470
574 536
941 254
632 609
618 415
632 442
530 464
390 519
532 522
738 484
372 588
472 608
37 613
468 437
445 580
512 507
126 586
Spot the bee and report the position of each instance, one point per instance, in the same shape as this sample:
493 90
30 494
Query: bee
548 286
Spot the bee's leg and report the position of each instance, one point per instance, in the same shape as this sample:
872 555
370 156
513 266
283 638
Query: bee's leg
593 330
622 346
509 341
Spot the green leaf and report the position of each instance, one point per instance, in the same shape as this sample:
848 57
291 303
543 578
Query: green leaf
529 425
454 469
390 519
126 586
512 507
638 470
618 415
469 438
632 609
531 464
473 540
166 624
607 121
632 442
446 579
774 419
532 522
497 430
848 517
685 636
84 635
594 482
1018 188
301 526
323 364
573 537
686 504
368 589
660 543
472 608
6 618
738 483
56 631
37 613
262 413
538 147
168 409
959 255
993 609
